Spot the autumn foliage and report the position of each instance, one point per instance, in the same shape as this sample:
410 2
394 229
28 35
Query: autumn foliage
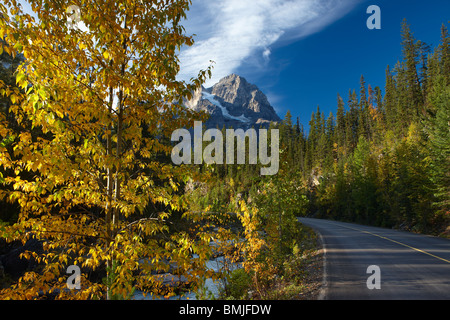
88 158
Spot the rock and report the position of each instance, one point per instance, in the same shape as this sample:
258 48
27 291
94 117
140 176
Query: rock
171 281
446 233
243 96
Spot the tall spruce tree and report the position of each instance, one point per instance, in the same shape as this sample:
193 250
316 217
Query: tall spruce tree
340 131
411 57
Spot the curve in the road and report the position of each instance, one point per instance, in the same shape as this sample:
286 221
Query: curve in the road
411 266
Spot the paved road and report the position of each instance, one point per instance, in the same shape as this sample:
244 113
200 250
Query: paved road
411 266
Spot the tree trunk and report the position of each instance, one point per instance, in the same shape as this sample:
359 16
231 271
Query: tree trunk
109 209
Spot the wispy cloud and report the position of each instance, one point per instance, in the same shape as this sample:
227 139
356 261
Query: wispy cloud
230 32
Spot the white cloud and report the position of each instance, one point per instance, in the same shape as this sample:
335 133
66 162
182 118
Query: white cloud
230 32
266 54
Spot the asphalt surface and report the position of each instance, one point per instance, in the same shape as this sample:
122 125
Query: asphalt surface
412 266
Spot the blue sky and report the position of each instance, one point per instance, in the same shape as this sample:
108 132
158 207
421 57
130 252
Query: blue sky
301 53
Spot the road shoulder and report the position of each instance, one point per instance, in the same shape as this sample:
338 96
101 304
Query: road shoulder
315 280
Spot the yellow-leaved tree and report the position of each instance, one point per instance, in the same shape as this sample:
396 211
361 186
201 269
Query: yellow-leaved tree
88 161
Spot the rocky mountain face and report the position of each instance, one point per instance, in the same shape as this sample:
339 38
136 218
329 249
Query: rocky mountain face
234 103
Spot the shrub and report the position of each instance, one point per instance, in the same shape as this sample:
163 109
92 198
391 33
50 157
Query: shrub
238 284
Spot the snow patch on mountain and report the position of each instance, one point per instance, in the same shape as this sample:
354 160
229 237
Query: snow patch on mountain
210 97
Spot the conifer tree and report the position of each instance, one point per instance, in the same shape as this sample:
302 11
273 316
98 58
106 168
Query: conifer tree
389 100
410 50
363 110
352 121
444 52
341 127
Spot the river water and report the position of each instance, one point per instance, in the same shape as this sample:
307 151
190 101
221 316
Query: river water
213 287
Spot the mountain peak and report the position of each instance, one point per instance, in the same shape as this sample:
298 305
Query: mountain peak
234 80
233 77
234 102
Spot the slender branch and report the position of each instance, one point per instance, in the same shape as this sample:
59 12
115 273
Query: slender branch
74 234
138 221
